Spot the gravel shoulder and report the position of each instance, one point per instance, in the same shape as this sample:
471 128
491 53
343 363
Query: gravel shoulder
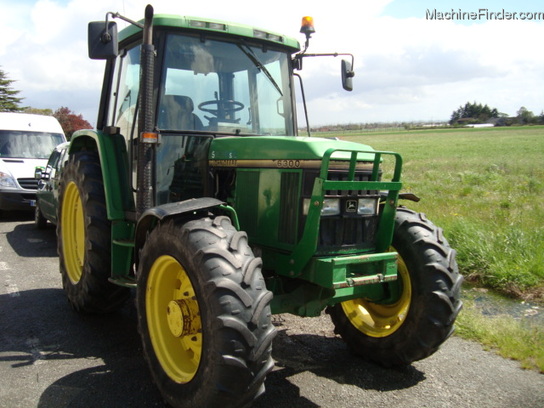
52 357
313 368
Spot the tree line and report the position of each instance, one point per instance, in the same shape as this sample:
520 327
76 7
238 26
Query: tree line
472 113
468 114
10 101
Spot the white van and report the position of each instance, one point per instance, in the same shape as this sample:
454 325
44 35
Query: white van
26 141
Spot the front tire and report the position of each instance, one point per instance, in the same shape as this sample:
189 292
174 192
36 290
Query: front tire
204 314
84 238
413 327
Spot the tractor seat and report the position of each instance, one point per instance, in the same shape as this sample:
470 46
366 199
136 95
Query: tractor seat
176 113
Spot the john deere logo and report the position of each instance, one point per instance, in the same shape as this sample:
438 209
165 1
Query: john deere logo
351 206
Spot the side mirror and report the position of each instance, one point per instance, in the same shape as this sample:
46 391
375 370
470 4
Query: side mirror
39 172
297 62
347 75
102 40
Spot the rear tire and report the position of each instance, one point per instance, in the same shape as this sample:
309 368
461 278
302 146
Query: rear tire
204 314
84 238
422 319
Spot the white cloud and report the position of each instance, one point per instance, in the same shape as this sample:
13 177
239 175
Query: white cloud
13 20
406 69
49 20
413 69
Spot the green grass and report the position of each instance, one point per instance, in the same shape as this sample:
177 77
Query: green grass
485 188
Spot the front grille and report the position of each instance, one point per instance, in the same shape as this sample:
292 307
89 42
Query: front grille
343 176
28 183
347 230
341 232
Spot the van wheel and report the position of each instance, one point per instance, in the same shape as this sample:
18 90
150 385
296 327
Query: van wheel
39 220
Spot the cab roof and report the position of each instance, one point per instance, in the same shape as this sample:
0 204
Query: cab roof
215 26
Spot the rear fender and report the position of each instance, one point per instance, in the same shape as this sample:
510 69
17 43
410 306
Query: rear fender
112 151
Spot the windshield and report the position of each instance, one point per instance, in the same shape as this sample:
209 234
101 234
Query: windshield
233 88
28 145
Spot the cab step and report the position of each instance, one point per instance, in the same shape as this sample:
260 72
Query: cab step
126 281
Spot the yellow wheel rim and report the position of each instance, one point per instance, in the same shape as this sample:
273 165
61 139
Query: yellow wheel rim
376 320
173 318
73 232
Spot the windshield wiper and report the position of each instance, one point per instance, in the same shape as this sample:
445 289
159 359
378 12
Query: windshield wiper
251 55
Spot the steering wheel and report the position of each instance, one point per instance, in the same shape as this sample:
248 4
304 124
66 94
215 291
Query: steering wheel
223 106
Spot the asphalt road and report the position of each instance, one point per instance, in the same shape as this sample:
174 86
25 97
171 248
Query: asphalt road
52 357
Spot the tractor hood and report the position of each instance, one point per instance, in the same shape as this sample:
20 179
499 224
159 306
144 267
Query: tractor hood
280 151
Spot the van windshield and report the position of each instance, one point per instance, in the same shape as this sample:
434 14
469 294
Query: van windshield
28 145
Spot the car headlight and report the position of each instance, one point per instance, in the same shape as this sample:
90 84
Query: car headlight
7 180
367 206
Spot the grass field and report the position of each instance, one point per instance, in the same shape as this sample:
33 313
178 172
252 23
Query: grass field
485 188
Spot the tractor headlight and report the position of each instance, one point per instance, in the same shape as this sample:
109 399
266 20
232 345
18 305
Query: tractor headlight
331 206
7 180
367 206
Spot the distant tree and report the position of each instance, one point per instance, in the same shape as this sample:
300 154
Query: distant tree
9 102
70 122
472 113
525 116
36 111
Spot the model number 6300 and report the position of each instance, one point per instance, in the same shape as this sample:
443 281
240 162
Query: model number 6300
288 164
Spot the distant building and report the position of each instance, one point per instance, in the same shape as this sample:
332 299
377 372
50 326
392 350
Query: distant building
480 125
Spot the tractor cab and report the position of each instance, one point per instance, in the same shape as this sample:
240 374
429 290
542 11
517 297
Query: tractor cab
225 86
210 80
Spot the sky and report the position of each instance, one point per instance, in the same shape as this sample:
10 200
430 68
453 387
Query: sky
415 60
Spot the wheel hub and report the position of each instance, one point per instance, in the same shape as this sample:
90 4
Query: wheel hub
181 316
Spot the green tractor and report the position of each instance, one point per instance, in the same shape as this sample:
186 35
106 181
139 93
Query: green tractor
196 190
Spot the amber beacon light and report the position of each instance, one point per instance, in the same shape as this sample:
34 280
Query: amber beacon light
307 26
